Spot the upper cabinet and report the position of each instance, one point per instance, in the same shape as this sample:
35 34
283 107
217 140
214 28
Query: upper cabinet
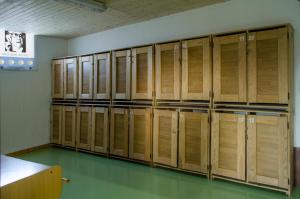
57 78
268 66
70 78
229 70
196 69
85 78
121 69
142 72
167 71
102 76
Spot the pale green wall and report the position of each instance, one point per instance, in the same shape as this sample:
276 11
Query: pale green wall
25 100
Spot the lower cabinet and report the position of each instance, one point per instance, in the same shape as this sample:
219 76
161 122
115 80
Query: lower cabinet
69 126
228 145
119 132
84 122
140 129
56 123
267 150
165 134
193 141
100 126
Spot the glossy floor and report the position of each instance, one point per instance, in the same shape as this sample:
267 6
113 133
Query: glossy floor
95 177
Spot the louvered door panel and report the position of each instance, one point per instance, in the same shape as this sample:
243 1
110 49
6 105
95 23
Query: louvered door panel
268 150
229 68
228 145
142 72
102 76
119 132
100 129
85 77
56 124
70 78
196 69
69 126
193 141
57 78
84 119
167 71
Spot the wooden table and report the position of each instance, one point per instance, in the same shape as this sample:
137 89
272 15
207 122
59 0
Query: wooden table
22 179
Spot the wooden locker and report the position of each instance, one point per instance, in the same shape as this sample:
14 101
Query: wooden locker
165 133
229 68
69 126
121 69
228 145
142 72
196 69
267 148
268 66
56 124
193 141
102 76
84 119
57 78
85 77
100 130
167 71
140 134
119 132
70 78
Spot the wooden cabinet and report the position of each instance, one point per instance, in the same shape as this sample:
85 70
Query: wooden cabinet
193 141
228 145
102 78
167 71
70 78
268 63
196 69
119 132
56 123
121 69
165 133
140 129
69 126
100 128
267 147
229 70
85 77
84 119
142 72
57 78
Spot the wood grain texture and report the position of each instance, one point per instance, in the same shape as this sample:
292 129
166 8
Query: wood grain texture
69 126
70 78
102 76
57 78
100 130
85 77
84 119
56 124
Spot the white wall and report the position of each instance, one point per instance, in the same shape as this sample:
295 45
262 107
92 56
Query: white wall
229 16
25 100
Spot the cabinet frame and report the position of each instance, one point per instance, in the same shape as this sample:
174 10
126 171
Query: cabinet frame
71 143
104 111
74 94
80 78
81 110
60 109
107 57
61 76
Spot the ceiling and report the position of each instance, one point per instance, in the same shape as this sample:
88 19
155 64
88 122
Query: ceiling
51 18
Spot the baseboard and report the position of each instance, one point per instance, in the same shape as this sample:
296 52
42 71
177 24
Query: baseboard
28 150
297 165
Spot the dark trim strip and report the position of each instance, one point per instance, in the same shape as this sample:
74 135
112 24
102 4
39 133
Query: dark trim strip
28 150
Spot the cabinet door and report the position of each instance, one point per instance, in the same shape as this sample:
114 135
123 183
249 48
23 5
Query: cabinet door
57 78
121 74
69 126
102 76
100 129
196 69
167 71
142 68
229 70
140 134
193 141
70 78
268 66
85 77
228 145
267 148
119 132
165 137
56 124
84 128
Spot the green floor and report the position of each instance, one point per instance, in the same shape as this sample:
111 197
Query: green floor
96 177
